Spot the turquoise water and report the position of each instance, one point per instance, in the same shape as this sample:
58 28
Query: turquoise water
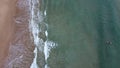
86 31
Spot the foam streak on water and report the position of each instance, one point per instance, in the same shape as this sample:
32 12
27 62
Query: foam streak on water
40 44
35 28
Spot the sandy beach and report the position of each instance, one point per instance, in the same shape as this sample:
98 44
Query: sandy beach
16 47
7 12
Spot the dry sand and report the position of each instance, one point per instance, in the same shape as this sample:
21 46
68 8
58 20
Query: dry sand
16 48
7 12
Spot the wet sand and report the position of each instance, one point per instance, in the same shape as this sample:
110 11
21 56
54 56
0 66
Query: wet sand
16 47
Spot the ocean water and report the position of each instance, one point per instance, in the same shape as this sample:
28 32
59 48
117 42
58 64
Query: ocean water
77 34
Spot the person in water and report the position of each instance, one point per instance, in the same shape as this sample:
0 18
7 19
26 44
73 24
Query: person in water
108 42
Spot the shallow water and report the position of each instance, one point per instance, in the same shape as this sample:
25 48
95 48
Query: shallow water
86 31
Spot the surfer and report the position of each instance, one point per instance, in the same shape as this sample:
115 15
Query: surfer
108 42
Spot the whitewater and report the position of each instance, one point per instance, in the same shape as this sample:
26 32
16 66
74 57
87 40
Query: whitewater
40 35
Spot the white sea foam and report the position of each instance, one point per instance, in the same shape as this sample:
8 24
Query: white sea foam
45 13
34 29
34 64
46 66
46 33
36 19
47 48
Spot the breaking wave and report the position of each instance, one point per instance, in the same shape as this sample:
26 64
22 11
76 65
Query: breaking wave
40 35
